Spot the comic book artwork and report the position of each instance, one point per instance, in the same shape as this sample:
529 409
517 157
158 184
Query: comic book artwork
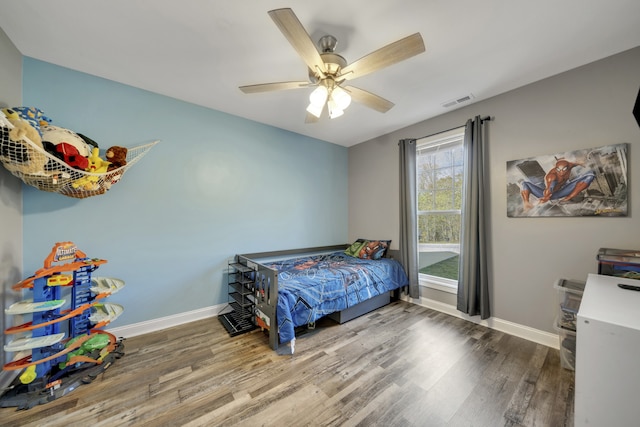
588 182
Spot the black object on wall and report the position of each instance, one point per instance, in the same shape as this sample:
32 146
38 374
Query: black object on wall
636 109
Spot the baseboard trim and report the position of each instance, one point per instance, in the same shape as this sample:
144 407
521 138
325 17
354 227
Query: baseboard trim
531 334
153 325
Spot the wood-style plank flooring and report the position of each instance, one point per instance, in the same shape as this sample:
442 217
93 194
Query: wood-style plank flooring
402 365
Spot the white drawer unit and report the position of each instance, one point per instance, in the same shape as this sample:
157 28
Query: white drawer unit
607 389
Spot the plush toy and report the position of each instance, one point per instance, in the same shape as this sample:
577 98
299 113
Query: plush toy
21 156
21 127
34 116
57 135
96 166
70 155
117 156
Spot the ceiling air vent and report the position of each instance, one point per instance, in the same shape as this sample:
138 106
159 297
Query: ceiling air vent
457 101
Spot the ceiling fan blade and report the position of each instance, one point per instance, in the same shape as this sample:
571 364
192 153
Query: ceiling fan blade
388 55
269 87
369 99
293 30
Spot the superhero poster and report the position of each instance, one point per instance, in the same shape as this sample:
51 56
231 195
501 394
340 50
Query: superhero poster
588 182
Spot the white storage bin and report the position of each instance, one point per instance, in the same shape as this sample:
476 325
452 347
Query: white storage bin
569 297
567 339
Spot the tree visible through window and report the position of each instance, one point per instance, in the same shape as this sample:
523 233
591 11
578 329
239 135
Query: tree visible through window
439 183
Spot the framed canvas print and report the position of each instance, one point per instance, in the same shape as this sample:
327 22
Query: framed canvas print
587 182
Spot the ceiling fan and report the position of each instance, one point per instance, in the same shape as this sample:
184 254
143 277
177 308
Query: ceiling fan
328 70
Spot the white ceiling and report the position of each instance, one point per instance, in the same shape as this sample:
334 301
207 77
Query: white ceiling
200 51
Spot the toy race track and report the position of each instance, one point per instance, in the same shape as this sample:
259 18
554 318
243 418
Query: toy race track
61 383
67 347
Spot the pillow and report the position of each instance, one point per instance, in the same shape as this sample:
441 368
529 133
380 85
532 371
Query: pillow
57 135
374 249
368 249
355 248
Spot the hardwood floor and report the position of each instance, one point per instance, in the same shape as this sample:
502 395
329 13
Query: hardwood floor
402 365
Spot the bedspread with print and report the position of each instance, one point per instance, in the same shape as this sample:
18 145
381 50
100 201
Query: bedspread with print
313 286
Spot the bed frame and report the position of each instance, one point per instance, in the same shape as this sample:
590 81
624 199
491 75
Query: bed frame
266 290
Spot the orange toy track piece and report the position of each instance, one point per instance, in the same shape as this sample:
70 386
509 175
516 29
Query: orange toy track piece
261 324
61 251
101 324
25 362
76 359
48 271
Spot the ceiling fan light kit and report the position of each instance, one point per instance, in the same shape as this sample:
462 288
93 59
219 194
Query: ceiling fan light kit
317 99
315 110
336 98
334 111
328 70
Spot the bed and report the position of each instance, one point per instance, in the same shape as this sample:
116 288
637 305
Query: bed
297 287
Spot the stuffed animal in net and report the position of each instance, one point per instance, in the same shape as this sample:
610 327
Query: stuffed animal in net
96 166
117 156
34 116
71 156
17 155
67 146
57 135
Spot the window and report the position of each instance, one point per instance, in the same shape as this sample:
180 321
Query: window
439 182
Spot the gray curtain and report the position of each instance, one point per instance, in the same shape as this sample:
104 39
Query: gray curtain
408 208
473 282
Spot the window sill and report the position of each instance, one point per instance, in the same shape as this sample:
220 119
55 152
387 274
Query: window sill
439 286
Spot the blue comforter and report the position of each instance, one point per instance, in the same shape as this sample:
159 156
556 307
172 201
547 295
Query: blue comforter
314 286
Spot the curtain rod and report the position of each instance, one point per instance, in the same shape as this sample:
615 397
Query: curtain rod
483 119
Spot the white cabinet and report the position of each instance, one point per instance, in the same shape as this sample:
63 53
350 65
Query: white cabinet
607 389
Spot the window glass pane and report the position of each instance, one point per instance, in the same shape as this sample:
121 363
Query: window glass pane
444 180
440 264
425 180
426 201
425 160
423 231
458 174
443 157
442 200
439 228
457 156
440 177
458 179
457 198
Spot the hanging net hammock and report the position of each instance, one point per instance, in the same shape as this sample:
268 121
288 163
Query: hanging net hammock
38 168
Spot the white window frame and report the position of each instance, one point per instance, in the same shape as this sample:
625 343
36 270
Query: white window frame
453 137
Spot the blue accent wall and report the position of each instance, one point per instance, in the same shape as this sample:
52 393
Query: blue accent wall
214 186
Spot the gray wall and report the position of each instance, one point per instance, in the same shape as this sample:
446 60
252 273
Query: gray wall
586 107
10 189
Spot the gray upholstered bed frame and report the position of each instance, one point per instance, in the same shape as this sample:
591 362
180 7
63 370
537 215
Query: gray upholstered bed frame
266 288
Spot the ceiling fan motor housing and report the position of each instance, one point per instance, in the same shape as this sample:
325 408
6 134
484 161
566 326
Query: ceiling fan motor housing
333 64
